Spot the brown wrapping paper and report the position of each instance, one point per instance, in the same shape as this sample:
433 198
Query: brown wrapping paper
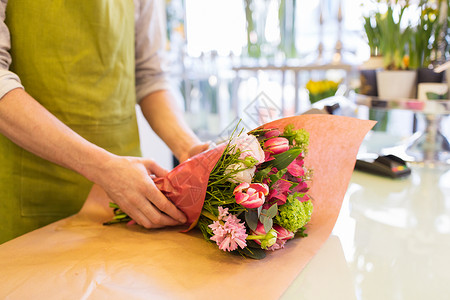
78 258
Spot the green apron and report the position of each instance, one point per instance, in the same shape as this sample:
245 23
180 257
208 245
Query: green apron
77 59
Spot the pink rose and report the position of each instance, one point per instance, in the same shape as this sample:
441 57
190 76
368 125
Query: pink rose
249 146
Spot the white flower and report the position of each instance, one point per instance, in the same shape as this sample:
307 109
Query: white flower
249 146
245 175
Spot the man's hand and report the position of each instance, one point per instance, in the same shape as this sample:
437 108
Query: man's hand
128 182
194 151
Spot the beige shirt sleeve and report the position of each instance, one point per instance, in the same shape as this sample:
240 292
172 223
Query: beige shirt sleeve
8 80
151 58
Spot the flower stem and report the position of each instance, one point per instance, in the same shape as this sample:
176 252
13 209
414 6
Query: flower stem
255 237
209 215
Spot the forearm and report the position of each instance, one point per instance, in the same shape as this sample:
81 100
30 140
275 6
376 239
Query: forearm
31 126
166 119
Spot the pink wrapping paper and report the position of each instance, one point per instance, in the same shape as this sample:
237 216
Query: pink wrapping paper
78 258
186 184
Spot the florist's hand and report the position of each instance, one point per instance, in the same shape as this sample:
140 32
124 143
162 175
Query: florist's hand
128 182
194 151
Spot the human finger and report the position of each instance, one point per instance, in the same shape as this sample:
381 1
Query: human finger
164 205
153 168
148 216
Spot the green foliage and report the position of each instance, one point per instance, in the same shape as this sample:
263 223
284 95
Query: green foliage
294 214
283 160
298 137
425 38
402 44
394 40
266 217
255 253
119 215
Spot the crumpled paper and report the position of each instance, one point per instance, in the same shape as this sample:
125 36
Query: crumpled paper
79 258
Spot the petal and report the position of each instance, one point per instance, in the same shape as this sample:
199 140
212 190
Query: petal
260 187
251 191
252 202
241 187
295 168
241 197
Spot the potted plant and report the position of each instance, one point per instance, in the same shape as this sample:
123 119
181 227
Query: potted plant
321 89
425 40
367 72
396 80
388 36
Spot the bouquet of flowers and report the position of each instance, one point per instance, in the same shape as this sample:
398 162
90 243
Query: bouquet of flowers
256 197
252 193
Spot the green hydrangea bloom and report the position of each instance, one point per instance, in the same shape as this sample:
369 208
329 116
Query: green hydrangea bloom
300 136
294 214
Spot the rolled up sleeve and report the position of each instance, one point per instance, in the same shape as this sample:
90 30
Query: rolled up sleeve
8 80
152 70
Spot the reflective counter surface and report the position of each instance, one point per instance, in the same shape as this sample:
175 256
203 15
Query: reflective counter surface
391 241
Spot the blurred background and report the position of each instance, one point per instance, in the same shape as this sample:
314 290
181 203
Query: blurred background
258 60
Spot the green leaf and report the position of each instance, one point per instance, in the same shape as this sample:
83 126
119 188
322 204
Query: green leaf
283 160
253 253
253 244
121 216
113 205
272 211
301 233
251 218
268 223
266 220
261 174
275 177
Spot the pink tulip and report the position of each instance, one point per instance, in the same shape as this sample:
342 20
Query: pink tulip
283 233
276 145
266 240
251 195
272 133
282 236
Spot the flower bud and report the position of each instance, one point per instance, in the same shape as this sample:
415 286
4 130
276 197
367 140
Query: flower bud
283 233
272 133
251 195
276 145
269 240
266 240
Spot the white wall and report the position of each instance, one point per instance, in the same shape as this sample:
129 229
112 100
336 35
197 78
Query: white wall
151 145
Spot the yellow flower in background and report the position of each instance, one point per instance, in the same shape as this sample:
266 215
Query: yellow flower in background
321 89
